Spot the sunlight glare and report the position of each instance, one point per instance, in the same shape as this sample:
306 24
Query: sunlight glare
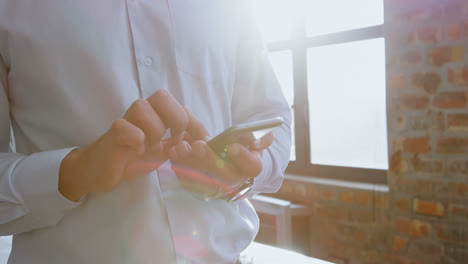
274 19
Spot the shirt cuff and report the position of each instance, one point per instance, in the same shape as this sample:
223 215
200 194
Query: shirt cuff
36 179
266 181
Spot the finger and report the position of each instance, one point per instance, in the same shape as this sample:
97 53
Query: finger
192 174
170 111
195 180
124 134
122 143
180 151
142 115
263 142
140 168
224 172
188 138
248 162
194 127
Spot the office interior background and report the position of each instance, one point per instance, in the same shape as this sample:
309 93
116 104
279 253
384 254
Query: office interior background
379 164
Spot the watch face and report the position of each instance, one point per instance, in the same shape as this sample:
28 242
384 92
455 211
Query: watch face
241 194
243 190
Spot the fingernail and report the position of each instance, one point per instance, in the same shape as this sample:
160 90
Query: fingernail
187 146
258 143
185 150
207 138
177 138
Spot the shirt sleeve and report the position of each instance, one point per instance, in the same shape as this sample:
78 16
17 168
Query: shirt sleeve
29 196
258 95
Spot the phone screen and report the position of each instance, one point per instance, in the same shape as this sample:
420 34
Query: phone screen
243 134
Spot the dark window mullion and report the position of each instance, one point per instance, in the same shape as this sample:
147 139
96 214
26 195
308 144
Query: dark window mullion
332 38
345 36
299 57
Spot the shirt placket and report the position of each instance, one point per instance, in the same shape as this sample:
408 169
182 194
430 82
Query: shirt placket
150 42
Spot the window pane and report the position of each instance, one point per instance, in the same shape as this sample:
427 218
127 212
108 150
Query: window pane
323 17
274 19
347 104
282 64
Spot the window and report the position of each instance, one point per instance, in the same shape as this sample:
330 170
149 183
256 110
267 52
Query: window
329 57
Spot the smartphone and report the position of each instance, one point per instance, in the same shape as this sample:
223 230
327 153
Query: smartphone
244 134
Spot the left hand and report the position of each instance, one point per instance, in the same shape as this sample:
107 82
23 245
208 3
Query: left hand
201 170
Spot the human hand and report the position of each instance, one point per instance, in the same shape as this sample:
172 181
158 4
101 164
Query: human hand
201 170
132 147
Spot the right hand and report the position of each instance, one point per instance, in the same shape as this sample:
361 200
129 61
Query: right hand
132 147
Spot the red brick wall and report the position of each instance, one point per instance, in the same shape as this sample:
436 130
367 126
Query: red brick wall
347 224
427 91
424 216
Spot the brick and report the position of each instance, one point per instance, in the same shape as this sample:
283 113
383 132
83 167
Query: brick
396 259
397 82
458 76
428 207
411 58
426 35
452 9
327 246
396 40
426 166
457 122
413 227
397 164
381 201
451 233
457 31
416 145
454 253
383 218
347 197
442 55
368 256
301 190
458 167
398 123
423 250
440 190
410 102
452 145
450 100
363 198
411 16
398 243
352 233
360 216
421 188
402 204
428 81
458 190
328 212
327 194
432 120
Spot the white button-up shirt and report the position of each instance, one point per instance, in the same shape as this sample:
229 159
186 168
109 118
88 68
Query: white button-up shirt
69 68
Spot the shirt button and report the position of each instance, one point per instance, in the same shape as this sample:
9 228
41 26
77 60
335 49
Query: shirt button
148 61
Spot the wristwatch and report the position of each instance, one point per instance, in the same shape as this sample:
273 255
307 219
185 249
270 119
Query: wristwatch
239 192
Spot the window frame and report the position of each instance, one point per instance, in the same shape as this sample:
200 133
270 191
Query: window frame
298 45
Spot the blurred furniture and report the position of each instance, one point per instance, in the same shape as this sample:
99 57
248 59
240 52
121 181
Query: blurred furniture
282 223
